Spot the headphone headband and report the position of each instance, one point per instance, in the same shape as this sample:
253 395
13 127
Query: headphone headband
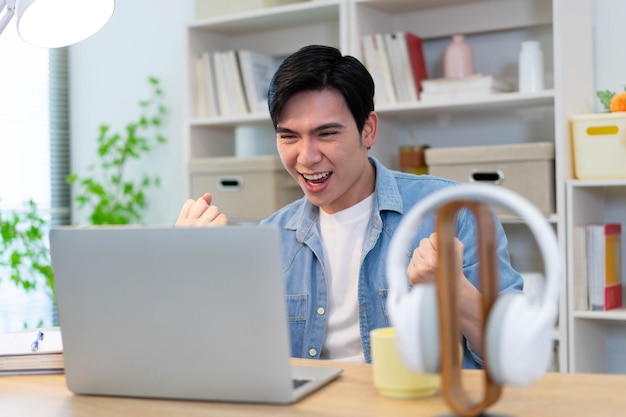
541 230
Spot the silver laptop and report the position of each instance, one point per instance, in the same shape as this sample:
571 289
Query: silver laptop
181 313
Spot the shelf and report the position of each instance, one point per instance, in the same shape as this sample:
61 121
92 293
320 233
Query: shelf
511 219
619 314
495 29
271 18
621 182
232 121
403 6
442 18
495 102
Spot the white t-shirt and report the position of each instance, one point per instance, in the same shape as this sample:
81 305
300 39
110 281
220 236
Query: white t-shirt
342 235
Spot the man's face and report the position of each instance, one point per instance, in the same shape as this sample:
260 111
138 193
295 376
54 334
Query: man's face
320 146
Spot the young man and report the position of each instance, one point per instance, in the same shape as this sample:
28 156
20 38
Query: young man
335 239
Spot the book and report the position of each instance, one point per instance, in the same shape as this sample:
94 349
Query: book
417 60
257 70
31 352
604 266
581 292
382 59
221 85
394 64
227 83
370 60
237 97
402 75
209 85
202 105
397 65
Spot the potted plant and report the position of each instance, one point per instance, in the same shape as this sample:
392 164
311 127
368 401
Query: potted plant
108 193
613 102
111 196
24 252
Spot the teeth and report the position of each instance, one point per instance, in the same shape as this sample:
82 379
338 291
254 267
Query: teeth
315 177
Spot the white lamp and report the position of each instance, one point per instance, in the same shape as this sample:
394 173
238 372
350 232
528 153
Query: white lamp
56 23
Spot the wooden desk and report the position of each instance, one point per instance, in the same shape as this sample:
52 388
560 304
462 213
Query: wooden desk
352 395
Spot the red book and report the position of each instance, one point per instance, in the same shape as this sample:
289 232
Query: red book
416 57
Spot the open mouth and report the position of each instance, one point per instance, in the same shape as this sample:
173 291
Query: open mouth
317 178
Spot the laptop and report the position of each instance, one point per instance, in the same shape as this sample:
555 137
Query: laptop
178 313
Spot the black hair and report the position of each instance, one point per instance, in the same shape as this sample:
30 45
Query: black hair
318 67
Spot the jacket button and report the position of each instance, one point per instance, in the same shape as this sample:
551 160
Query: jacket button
312 352
321 311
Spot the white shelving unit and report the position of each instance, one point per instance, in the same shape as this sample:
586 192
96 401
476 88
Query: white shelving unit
597 339
494 30
277 31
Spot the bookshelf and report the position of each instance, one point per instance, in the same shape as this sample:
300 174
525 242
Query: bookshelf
596 338
276 31
494 29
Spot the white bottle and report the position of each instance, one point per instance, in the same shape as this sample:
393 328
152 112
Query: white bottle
530 67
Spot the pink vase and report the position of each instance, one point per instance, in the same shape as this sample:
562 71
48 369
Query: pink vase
458 60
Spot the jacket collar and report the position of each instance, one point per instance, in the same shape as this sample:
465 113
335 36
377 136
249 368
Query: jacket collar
387 197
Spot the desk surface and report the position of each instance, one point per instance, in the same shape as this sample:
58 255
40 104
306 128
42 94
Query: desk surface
351 395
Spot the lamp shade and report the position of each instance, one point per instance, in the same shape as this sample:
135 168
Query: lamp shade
57 23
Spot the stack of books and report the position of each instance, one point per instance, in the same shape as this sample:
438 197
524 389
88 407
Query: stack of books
35 351
471 86
598 266
233 82
397 65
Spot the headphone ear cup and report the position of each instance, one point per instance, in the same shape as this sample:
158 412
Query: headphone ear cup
518 344
417 329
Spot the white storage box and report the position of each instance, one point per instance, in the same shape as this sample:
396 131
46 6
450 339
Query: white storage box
527 169
245 189
599 145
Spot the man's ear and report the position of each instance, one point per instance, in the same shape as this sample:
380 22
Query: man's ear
370 130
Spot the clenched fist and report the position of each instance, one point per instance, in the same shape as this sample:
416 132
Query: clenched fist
200 212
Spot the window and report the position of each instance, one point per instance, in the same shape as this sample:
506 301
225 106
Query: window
34 155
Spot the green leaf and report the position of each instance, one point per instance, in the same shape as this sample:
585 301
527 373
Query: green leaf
605 98
128 188
15 259
34 233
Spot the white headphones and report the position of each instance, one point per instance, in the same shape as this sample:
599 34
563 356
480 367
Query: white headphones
518 333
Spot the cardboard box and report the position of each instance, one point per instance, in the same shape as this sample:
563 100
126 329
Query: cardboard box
599 145
210 8
527 169
245 189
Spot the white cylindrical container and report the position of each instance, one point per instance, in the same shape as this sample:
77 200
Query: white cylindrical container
530 67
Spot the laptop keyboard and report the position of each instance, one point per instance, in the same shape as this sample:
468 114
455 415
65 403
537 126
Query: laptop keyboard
299 382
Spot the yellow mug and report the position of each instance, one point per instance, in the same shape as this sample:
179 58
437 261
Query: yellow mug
392 378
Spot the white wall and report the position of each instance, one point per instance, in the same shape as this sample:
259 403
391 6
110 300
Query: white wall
147 37
108 77
609 47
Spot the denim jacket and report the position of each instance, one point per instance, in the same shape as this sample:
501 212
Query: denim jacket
304 265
